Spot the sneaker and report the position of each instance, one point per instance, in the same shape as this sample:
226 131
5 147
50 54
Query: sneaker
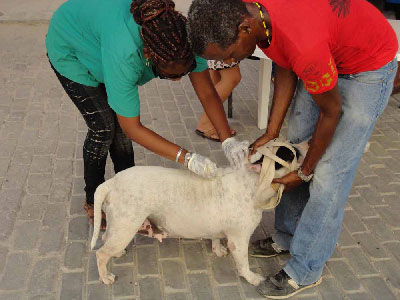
281 286
267 248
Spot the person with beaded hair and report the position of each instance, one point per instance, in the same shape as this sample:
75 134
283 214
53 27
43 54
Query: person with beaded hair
335 65
101 51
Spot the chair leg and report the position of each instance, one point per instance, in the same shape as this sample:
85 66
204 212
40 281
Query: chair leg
230 106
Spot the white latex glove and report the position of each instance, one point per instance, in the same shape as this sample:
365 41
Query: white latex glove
202 166
235 151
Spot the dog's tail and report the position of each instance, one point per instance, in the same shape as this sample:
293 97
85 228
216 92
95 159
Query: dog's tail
99 196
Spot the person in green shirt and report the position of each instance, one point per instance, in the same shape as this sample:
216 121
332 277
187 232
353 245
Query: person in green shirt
101 51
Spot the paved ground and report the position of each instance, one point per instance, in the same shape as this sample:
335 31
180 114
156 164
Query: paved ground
44 233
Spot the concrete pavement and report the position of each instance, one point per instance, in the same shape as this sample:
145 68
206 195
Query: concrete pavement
44 233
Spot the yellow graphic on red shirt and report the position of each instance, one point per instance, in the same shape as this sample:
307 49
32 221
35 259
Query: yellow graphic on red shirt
325 80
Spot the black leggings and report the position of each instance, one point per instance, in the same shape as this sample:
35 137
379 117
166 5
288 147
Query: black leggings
104 133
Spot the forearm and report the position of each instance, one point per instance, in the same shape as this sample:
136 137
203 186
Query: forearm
284 88
211 103
322 137
330 106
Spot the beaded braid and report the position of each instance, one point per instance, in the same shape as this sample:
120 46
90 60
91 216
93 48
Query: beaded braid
163 30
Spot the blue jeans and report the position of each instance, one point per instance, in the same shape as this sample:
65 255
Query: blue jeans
308 219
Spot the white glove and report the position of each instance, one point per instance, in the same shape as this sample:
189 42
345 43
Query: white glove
202 166
235 151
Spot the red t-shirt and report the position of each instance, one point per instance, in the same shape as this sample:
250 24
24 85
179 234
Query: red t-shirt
318 39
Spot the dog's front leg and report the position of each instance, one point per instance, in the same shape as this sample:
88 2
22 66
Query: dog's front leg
217 248
238 245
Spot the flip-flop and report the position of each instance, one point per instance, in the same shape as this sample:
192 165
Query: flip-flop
208 134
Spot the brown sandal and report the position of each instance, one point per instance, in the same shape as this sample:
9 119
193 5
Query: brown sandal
208 134
89 208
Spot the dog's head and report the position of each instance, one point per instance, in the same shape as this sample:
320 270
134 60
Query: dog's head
283 153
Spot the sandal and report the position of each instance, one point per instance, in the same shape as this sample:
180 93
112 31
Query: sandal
208 134
89 208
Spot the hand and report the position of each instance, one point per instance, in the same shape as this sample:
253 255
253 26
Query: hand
202 166
262 140
290 180
235 151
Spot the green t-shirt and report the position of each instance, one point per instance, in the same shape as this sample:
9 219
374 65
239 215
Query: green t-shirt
98 41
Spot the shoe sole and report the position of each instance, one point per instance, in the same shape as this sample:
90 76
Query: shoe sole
264 256
297 291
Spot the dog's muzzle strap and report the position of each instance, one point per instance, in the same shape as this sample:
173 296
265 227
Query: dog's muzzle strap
268 170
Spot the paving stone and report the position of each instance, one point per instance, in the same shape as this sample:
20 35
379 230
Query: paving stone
249 290
223 269
127 258
394 249
370 245
329 289
346 239
194 256
390 269
150 289
371 196
391 216
172 271
60 190
16 177
77 203
26 235
12 295
382 231
78 186
33 207
51 240
42 164
352 222
177 296
46 146
358 296
344 276
358 261
97 291
378 288
15 274
78 229
39 184
92 271
200 286
71 288
74 254
44 276
62 169
147 261
54 213
3 255
169 248
229 293
124 285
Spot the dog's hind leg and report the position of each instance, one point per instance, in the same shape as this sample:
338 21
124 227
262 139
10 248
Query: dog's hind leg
120 233
217 248
238 245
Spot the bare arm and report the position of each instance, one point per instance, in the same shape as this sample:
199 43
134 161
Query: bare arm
330 105
211 102
135 131
285 86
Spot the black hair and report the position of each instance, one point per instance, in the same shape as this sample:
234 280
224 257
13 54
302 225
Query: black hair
214 21
163 30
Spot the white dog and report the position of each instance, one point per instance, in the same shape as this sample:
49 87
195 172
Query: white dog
183 205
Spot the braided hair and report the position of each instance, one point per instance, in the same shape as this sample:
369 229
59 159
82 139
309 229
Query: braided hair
163 30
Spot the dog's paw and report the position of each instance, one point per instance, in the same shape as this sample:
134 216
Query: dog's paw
254 278
108 279
221 251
